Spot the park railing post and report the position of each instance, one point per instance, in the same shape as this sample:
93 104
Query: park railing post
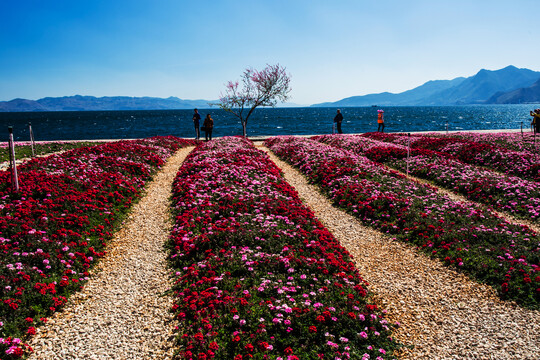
13 165
447 128
408 151
534 147
32 143
522 131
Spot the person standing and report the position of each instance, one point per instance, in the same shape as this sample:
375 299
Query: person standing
535 123
208 126
338 119
380 120
196 119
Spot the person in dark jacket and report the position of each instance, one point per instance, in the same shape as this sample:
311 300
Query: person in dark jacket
338 119
196 119
535 123
208 126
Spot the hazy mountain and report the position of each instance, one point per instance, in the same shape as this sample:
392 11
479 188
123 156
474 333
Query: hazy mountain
91 103
78 103
529 94
21 105
477 89
409 97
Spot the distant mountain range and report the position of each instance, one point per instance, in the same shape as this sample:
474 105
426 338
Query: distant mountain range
505 86
81 103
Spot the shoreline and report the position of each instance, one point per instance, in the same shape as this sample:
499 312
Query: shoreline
265 137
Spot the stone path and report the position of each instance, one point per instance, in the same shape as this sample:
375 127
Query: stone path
121 313
443 314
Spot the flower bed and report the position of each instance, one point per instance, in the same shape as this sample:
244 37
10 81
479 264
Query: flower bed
524 164
488 248
57 225
24 149
511 194
515 141
257 275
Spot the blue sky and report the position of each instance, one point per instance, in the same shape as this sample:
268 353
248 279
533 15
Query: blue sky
190 49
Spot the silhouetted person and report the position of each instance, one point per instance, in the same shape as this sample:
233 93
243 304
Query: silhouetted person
535 123
196 119
208 126
338 119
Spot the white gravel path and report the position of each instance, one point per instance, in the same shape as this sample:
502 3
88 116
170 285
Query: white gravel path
121 313
443 314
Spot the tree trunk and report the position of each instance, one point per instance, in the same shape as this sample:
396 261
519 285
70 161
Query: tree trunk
244 125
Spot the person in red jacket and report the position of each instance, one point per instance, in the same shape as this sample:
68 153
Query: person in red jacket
380 120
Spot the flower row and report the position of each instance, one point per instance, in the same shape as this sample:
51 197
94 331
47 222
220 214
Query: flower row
24 149
257 276
488 248
524 164
505 193
55 227
516 141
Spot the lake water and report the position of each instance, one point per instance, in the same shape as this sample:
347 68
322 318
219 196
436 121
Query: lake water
92 125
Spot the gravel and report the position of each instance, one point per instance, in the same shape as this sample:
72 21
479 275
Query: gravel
443 314
122 312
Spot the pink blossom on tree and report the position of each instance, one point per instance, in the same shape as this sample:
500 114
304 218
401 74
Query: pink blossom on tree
259 88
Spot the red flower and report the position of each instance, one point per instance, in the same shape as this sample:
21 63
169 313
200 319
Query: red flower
312 329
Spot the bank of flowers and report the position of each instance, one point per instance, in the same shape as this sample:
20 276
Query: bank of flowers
57 225
257 276
506 193
516 141
486 247
24 149
524 164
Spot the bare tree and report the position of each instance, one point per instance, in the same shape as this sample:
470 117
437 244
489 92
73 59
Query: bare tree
259 88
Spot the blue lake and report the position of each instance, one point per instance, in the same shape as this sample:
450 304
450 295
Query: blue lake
79 125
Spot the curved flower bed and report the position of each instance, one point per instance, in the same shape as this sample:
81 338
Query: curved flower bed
524 164
24 149
488 248
57 225
257 275
515 141
505 193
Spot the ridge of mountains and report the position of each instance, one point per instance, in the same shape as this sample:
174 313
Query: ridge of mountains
509 85
91 103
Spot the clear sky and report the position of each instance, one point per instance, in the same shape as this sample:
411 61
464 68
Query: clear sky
189 49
